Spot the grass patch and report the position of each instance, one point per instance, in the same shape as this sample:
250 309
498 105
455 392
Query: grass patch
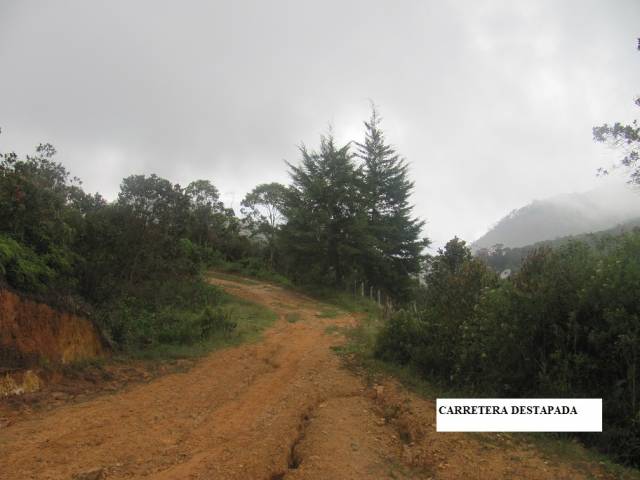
250 320
328 313
284 306
292 317
180 319
342 300
331 329
557 447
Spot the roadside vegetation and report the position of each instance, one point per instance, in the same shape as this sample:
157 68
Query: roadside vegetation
539 343
566 325
359 354
183 318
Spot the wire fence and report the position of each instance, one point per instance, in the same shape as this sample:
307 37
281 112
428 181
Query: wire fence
376 294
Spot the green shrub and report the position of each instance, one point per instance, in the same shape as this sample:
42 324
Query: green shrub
396 341
183 311
22 268
215 320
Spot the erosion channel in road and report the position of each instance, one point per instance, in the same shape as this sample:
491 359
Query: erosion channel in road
282 407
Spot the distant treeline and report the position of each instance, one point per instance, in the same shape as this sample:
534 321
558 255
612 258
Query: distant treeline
567 324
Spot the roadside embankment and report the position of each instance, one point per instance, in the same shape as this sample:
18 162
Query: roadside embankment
34 334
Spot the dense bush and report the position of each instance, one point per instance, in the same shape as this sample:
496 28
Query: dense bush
182 311
22 267
566 325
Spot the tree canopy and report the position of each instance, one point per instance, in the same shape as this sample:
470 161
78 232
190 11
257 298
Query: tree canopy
625 137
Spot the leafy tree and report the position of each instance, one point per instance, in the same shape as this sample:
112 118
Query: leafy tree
41 207
263 208
434 340
133 263
34 195
155 215
208 215
22 267
203 194
395 250
453 256
156 201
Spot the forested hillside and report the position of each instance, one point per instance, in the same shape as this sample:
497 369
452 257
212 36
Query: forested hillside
563 215
501 258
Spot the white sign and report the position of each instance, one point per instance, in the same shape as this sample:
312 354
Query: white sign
519 415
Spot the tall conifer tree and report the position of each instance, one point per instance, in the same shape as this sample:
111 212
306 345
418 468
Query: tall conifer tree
325 222
395 247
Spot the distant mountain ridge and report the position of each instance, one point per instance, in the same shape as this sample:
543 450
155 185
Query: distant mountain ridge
511 258
564 215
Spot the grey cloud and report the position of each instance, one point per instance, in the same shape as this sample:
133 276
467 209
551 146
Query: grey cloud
491 102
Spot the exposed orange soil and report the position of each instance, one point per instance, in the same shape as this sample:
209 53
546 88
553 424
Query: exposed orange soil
32 332
283 407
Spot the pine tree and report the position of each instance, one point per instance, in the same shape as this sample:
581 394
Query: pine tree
325 225
395 243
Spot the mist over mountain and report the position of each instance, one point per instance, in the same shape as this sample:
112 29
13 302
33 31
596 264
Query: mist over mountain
562 215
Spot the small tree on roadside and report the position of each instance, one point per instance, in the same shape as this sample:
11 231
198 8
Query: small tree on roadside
263 208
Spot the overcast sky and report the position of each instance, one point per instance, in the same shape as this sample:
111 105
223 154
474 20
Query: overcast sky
491 102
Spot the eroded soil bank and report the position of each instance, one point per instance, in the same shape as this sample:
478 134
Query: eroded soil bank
33 335
281 408
33 332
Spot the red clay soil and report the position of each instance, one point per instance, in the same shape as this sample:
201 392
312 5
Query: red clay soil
33 332
281 408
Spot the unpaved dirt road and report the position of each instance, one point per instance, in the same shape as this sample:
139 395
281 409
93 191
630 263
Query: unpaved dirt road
280 408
